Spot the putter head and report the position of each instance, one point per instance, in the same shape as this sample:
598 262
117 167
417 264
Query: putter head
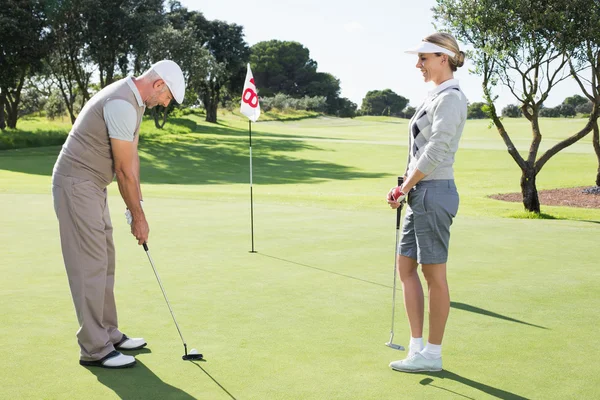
395 346
191 357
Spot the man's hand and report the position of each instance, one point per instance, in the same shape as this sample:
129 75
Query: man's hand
140 229
395 197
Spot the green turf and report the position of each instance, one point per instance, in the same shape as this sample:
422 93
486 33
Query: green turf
306 317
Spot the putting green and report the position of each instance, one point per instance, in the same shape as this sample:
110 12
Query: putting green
308 315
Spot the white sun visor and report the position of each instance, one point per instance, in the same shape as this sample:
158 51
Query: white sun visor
426 47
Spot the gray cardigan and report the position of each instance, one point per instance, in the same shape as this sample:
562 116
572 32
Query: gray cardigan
435 131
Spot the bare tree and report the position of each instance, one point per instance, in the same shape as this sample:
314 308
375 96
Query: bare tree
524 45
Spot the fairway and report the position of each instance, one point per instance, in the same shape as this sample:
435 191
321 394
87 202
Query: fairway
308 315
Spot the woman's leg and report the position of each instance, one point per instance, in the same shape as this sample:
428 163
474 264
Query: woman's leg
413 294
439 300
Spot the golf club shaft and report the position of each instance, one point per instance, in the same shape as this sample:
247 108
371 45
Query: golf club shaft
398 216
165 295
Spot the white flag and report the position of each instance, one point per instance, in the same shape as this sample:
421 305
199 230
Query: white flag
250 106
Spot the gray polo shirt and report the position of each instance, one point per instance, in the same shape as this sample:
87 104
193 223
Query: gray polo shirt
121 117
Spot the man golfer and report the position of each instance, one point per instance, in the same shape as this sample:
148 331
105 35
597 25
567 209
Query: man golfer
101 145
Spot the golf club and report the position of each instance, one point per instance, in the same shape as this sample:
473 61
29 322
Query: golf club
398 215
193 355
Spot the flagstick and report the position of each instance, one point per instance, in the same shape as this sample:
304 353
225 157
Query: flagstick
251 199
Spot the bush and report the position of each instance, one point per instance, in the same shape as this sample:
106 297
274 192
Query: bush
16 139
55 106
585 108
31 102
346 108
550 112
283 101
477 111
512 111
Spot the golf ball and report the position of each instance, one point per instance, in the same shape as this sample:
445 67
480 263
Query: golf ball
193 351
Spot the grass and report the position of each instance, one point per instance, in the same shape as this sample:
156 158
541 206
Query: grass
306 317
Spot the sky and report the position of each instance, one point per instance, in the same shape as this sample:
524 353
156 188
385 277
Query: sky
362 43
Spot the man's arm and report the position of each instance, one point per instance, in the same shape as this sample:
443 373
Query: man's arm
126 161
137 166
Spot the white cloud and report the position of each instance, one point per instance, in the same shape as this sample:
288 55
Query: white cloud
353 26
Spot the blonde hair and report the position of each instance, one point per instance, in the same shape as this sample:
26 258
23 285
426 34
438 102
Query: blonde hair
448 42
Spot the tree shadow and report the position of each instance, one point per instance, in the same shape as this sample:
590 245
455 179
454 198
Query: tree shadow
191 126
138 382
197 160
453 304
222 129
492 391
217 161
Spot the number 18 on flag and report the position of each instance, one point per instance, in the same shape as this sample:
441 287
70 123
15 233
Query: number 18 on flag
250 106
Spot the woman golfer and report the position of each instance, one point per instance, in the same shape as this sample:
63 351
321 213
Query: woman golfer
434 133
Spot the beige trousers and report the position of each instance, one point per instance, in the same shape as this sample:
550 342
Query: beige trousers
89 256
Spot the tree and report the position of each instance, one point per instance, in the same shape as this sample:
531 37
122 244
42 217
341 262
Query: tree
67 64
24 43
526 39
181 46
585 109
575 100
227 46
476 111
286 67
282 67
346 108
512 111
383 102
566 110
585 63
325 84
221 64
409 112
114 28
550 112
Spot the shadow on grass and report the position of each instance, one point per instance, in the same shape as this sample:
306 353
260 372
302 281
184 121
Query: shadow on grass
138 382
220 128
195 160
453 304
530 215
326 271
492 391
477 310
214 380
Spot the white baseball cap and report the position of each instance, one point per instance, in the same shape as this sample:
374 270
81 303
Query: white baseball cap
170 72
427 47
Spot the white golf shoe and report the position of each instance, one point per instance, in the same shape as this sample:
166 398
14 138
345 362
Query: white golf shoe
417 363
128 343
114 359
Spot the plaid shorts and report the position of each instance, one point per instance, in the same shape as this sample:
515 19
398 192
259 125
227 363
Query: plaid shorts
432 205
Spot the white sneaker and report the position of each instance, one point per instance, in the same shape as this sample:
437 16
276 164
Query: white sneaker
417 363
114 359
128 343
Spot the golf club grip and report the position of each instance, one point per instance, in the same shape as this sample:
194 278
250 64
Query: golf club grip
145 246
399 209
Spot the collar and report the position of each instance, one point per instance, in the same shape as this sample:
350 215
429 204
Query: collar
445 85
135 91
